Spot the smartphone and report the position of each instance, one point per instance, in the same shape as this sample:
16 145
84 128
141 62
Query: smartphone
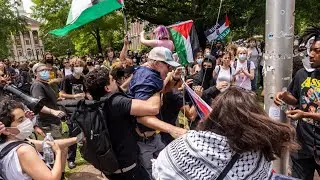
13 130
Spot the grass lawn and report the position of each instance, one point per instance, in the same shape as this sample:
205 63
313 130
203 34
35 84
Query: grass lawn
79 160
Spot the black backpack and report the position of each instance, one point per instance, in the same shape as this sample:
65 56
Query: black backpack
4 152
97 148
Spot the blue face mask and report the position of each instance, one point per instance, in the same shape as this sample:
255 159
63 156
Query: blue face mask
44 75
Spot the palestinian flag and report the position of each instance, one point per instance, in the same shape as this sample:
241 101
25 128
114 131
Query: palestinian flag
219 31
202 108
185 40
85 11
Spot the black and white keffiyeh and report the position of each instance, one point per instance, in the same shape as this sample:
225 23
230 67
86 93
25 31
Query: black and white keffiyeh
203 155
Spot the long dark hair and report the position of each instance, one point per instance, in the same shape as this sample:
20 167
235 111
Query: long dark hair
238 116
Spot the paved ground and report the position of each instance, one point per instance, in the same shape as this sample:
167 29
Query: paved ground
87 172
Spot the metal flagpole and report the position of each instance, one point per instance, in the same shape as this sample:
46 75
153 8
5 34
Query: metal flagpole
124 19
279 37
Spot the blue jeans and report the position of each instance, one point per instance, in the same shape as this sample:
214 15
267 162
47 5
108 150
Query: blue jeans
254 82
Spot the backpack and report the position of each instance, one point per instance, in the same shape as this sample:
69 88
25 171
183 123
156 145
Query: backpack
4 152
97 148
248 65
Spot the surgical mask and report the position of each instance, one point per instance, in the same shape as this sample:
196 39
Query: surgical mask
242 57
207 53
44 75
96 66
26 129
306 64
199 60
78 70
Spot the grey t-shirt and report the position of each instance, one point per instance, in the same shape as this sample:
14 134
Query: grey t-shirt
44 91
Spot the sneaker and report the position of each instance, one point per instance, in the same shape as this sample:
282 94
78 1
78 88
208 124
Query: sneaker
71 165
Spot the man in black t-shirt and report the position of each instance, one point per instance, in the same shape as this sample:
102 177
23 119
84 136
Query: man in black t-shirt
121 112
49 118
304 91
73 88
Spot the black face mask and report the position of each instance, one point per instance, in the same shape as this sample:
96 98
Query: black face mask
208 72
89 64
49 61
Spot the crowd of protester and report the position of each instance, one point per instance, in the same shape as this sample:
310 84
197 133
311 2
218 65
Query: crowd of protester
147 93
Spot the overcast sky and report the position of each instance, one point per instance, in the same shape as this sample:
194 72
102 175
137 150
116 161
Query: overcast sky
27 4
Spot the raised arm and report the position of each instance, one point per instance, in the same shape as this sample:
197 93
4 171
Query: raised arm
123 54
146 42
156 124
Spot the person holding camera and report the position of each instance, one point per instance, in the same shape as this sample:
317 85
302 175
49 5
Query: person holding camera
23 160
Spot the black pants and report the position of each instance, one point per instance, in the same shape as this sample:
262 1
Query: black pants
261 76
304 168
137 173
72 151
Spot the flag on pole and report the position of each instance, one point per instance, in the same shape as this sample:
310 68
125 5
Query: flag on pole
85 11
185 40
219 31
202 108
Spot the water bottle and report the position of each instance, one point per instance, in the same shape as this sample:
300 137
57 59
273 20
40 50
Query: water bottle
48 154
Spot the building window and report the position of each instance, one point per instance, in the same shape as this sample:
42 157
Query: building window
35 37
26 34
19 53
18 41
27 42
29 52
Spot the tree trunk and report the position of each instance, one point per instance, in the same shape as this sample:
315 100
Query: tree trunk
98 39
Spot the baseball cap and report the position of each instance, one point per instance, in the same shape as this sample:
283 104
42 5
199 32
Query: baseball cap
163 54
36 66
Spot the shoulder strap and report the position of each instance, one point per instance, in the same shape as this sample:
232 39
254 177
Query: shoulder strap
225 171
235 64
249 65
9 147
218 70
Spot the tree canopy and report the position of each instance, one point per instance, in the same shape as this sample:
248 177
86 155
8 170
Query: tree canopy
91 38
247 18
9 23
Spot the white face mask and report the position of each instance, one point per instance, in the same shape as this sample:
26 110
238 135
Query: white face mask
96 66
242 57
199 60
78 70
26 129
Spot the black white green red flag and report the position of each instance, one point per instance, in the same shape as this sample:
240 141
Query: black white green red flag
85 11
219 31
185 40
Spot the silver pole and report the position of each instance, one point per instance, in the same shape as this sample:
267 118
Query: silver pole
279 37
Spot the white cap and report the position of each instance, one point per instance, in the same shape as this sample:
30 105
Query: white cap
163 54
36 66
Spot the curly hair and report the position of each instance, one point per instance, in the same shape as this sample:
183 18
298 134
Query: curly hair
7 105
95 81
311 32
237 115
74 60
